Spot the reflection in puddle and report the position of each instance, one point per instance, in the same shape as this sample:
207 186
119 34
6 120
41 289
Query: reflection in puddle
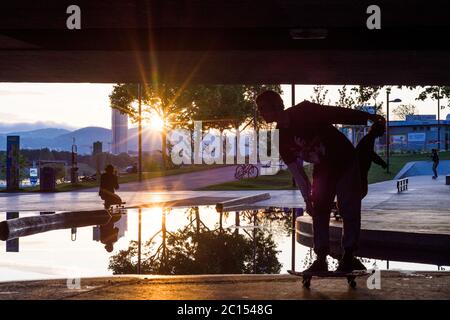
155 241
199 247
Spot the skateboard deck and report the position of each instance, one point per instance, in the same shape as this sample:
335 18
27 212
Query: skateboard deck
117 209
351 276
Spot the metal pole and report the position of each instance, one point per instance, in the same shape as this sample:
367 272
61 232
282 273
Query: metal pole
293 94
388 139
255 223
255 124
140 133
294 184
139 241
438 120
293 210
293 241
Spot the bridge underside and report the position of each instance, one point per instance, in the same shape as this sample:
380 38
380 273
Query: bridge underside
225 42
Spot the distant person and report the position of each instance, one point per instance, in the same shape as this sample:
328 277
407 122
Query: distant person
367 154
435 159
108 184
306 132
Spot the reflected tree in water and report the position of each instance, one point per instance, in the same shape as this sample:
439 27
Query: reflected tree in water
196 249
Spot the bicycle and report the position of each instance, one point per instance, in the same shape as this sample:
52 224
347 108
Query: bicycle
246 170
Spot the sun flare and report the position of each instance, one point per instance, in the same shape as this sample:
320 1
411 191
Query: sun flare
156 123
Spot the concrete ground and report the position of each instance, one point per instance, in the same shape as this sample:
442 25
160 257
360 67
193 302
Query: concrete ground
423 208
185 181
393 285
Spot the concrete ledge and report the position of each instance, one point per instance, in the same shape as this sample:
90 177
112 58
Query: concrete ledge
384 244
242 200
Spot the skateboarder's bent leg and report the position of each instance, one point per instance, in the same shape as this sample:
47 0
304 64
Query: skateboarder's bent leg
323 193
348 191
110 198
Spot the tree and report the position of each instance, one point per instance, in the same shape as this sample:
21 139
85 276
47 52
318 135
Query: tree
319 95
358 97
404 110
171 103
346 99
363 94
220 107
229 106
434 92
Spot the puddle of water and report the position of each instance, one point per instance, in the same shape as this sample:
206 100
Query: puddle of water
173 241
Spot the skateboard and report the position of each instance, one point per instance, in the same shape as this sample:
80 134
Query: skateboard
116 208
351 276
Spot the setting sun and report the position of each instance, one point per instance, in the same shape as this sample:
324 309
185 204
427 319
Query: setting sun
156 122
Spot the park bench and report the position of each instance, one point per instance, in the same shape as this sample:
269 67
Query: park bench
402 184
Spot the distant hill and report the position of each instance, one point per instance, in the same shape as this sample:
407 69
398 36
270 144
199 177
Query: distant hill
84 138
48 133
61 139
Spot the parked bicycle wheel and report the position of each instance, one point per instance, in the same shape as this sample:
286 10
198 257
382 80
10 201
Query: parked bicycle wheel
253 172
240 172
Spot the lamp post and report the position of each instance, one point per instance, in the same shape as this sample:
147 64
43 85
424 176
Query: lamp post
388 138
140 133
438 120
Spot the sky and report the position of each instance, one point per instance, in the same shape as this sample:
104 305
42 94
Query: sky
77 105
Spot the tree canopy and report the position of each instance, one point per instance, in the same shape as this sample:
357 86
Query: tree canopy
404 110
218 106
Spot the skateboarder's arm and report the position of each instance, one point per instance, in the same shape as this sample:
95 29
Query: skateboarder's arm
301 179
378 160
116 182
317 113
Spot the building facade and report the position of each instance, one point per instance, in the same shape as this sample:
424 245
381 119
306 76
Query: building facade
119 127
419 133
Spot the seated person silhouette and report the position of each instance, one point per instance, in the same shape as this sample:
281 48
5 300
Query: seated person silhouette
108 184
367 155
109 234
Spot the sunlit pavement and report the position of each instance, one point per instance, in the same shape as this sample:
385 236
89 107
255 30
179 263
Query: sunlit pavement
393 285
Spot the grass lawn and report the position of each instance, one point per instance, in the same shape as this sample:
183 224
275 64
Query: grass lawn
62 187
283 179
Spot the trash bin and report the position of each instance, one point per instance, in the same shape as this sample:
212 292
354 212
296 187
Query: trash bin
47 179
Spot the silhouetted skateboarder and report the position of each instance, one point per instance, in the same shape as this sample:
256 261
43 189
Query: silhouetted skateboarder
108 184
367 154
307 132
109 234
435 159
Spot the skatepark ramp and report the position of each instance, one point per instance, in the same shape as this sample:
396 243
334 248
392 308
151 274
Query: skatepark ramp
423 168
